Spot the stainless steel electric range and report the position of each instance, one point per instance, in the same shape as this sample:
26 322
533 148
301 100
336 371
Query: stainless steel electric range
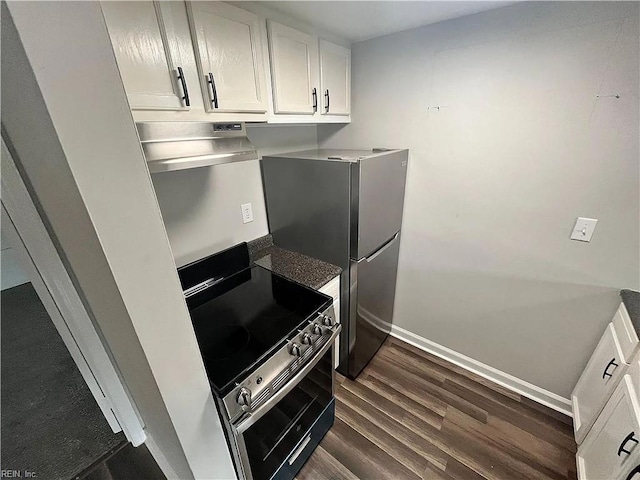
267 345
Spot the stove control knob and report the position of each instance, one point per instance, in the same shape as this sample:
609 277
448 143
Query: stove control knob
244 397
295 350
316 330
306 339
327 321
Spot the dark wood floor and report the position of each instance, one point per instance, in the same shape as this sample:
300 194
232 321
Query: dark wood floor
411 415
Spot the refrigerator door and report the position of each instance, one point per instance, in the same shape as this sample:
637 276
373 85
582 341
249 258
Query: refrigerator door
377 196
372 293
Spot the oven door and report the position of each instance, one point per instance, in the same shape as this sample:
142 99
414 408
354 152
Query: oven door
272 438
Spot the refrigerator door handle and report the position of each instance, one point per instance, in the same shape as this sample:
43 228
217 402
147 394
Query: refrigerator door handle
381 250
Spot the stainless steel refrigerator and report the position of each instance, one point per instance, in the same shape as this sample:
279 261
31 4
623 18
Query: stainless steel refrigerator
344 207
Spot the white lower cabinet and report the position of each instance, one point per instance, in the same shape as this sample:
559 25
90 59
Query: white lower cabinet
605 368
332 288
612 443
606 406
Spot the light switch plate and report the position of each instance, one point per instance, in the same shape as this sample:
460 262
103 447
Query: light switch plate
583 230
247 212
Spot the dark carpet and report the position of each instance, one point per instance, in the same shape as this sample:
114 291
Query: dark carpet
51 424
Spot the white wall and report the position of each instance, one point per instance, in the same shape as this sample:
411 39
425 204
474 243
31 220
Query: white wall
11 273
201 207
520 147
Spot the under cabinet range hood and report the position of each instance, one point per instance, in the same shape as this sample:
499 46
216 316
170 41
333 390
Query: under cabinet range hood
170 146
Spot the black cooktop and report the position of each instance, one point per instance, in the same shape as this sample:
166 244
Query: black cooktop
244 316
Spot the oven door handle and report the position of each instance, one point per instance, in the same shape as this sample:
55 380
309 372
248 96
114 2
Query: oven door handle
264 408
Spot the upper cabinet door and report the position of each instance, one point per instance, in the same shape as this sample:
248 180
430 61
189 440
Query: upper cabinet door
149 64
294 70
335 78
228 51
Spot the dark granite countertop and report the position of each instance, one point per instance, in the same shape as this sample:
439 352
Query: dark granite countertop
300 268
631 302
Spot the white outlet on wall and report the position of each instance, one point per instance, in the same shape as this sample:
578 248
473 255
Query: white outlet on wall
583 229
247 212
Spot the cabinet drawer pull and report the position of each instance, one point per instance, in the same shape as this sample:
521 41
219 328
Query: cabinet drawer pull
184 87
326 95
214 92
606 369
627 439
635 470
314 95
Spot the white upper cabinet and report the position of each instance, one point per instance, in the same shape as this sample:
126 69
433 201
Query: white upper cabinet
294 70
143 38
208 61
335 79
228 48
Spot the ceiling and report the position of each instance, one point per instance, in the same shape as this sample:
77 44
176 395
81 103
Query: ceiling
361 20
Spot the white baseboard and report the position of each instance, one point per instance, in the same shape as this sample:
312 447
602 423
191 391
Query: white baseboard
540 395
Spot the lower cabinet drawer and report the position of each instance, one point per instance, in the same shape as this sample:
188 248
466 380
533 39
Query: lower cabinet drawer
602 374
611 447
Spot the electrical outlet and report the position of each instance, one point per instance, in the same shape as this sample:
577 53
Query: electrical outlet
247 212
583 230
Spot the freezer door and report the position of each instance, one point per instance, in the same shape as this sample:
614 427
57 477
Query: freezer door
372 292
377 196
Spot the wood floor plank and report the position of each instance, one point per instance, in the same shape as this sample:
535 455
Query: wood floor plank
411 415
484 458
393 372
361 456
459 471
542 457
557 424
387 442
412 363
544 428
433 473
423 366
537 449
452 368
433 414
484 387
322 466
463 448
396 429
391 408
